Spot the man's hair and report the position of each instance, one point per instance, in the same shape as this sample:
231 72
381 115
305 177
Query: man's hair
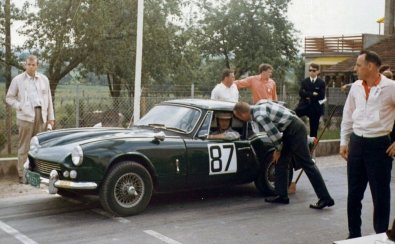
226 73
388 74
32 58
384 67
264 67
315 66
371 57
241 107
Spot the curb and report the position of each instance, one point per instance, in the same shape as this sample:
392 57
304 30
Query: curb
8 166
324 148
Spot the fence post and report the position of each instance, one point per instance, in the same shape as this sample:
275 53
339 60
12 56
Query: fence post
193 90
77 109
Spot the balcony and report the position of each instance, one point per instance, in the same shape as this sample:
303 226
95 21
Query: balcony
333 45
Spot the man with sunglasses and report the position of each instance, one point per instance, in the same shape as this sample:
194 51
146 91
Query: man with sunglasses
311 92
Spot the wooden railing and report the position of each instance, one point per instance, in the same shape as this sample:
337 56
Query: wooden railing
341 44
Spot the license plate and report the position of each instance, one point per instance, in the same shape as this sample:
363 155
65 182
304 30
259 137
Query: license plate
33 179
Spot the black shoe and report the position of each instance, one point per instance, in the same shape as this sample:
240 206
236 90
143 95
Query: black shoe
277 199
323 203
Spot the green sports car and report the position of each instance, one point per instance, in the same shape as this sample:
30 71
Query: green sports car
169 149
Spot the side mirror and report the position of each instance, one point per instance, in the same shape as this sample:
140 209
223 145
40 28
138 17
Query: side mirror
160 136
202 135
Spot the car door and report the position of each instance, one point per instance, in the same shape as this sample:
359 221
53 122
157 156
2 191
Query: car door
215 162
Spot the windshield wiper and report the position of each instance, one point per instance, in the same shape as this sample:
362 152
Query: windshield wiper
157 126
176 129
162 126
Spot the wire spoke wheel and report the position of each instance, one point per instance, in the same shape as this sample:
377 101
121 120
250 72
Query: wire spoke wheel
128 190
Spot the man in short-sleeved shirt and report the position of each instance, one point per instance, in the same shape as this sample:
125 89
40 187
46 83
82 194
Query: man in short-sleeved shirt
261 86
226 90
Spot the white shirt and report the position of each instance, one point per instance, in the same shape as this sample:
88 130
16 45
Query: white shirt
224 93
368 118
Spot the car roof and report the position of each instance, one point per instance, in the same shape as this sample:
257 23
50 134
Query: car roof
203 103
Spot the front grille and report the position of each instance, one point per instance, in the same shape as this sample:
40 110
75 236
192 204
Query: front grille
45 167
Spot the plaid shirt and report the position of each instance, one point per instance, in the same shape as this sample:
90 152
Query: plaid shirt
273 119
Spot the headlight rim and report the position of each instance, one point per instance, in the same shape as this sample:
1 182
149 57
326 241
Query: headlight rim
77 155
34 144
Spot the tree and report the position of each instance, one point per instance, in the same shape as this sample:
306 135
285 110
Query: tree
8 57
248 33
63 34
162 44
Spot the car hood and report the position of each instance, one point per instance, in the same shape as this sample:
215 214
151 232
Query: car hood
86 135
57 145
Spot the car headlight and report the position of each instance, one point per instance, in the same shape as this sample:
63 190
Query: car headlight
34 144
77 155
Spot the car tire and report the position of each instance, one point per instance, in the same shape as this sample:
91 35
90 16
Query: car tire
127 189
266 178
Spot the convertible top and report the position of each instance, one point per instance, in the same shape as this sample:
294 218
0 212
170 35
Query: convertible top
204 104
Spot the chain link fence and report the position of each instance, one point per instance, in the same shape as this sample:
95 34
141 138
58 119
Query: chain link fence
86 109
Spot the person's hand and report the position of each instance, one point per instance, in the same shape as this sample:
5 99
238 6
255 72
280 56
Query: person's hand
50 124
391 150
315 94
344 152
276 156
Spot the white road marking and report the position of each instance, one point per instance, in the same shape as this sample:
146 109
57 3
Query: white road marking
161 237
105 214
16 234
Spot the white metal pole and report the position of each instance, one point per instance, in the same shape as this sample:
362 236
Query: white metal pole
139 52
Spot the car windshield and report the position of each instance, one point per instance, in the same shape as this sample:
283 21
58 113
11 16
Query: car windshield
171 117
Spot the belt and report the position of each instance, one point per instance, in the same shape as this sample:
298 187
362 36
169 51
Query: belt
372 135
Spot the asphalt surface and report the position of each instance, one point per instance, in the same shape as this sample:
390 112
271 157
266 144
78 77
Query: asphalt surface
221 215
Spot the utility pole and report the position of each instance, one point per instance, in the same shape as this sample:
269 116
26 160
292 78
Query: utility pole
7 26
139 55
389 20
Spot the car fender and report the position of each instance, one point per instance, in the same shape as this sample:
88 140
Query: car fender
138 158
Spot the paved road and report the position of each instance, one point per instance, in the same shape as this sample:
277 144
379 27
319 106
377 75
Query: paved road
223 215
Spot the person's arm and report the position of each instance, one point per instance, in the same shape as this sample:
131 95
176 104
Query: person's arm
51 114
303 92
12 96
274 92
320 93
271 130
346 124
214 93
244 83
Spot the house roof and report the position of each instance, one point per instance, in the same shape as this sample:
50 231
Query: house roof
384 48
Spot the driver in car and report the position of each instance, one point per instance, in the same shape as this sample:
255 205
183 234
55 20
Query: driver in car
224 131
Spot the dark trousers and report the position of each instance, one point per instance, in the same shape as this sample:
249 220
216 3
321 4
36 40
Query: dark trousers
314 119
295 146
368 162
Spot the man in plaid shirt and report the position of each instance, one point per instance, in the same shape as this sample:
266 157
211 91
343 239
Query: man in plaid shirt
289 137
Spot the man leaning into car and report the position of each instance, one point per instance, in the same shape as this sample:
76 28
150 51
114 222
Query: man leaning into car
30 95
275 119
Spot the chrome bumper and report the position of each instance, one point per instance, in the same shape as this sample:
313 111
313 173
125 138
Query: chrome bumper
54 183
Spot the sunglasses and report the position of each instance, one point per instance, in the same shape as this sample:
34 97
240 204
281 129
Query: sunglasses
312 70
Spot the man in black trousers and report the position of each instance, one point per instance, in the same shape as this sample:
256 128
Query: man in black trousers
368 119
311 92
289 137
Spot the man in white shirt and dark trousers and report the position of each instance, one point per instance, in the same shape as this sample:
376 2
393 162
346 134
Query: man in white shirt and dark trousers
226 90
368 118
30 95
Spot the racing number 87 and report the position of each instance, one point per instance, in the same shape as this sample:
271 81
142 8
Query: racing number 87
222 158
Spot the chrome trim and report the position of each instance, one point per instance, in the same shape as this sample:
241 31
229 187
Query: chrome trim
65 184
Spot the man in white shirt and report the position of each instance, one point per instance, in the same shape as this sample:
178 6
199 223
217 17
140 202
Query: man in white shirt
368 118
30 95
226 90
